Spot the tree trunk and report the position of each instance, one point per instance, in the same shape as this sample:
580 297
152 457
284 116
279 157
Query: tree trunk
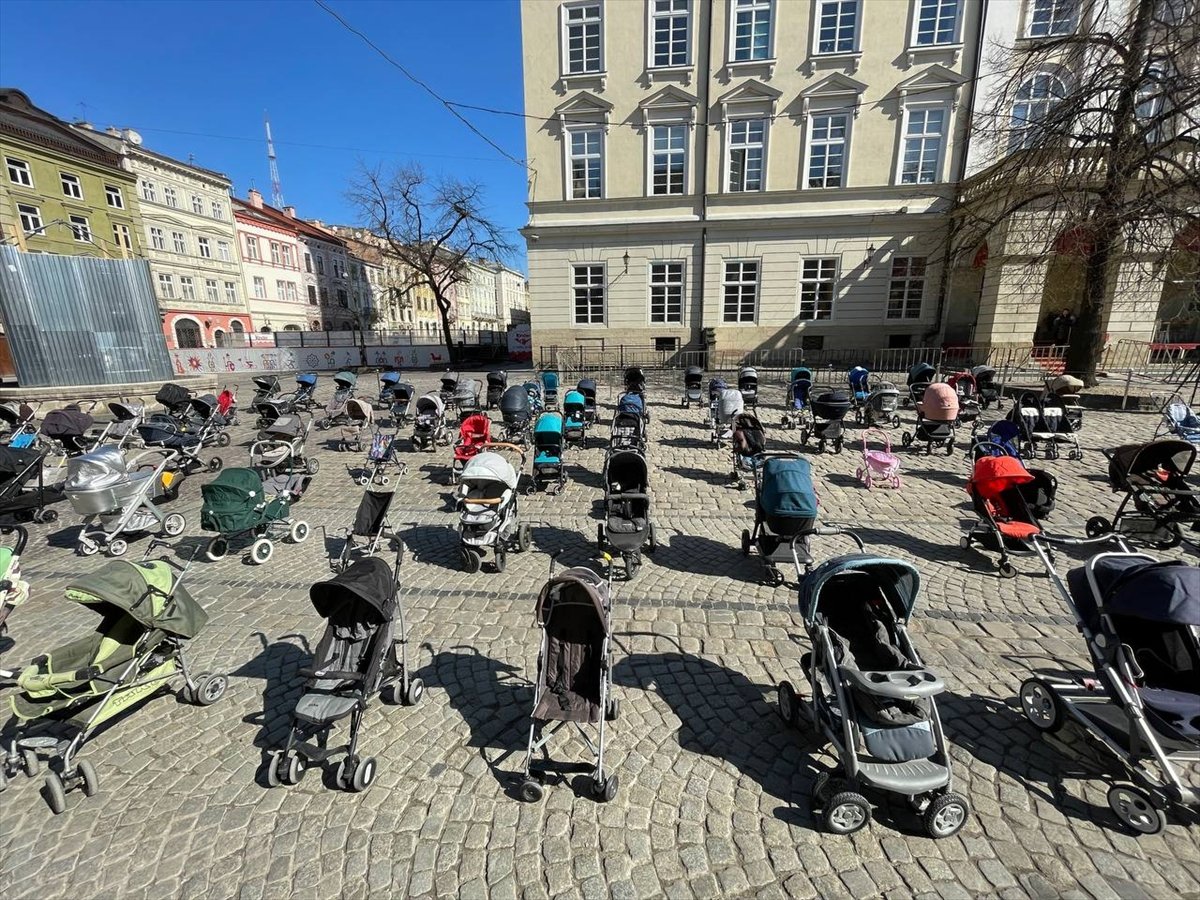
1087 337
444 311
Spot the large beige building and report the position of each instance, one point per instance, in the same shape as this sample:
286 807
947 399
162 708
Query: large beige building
742 174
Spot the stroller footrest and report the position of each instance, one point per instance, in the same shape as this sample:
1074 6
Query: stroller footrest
916 777
910 684
331 674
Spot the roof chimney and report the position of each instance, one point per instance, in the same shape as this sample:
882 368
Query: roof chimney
255 198
290 212
112 131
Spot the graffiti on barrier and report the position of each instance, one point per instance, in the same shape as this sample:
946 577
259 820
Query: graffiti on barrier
219 361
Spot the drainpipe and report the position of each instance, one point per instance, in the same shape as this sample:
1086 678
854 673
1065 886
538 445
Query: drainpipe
706 11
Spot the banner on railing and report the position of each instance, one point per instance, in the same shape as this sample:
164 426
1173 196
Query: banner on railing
294 359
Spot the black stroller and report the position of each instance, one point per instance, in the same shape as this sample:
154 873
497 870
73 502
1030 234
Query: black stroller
514 410
628 524
208 422
990 390
21 501
748 385
449 384
403 395
1044 426
266 387
920 377
359 653
176 400
68 428
373 524
628 428
693 385
1153 478
496 384
574 675
164 432
829 407
587 387
635 383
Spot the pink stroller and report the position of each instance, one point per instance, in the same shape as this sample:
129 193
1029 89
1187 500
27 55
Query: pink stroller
878 466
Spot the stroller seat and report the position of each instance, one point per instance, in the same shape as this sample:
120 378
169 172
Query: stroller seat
574 649
284 486
347 649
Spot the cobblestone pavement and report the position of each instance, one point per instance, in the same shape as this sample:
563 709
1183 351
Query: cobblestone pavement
714 787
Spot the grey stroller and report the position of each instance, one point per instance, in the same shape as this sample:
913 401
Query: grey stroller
872 697
488 515
728 407
280 447
574 675
429 424
372 523
126 417
466 397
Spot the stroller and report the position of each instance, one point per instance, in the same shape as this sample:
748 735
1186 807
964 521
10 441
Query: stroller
920 377
514 410
937 414
335 410
882 406
429 424
21 419
466 397
474 433
964 385
635 382
280 447
829 407
748 385
13 589
177 401
550 389
693 382
68 428
1010 502
266 387
533 390
120 497
497 383
628 429
1066 389
878 466
797 414
380 457
358 654
749 444
488 516
403 395
126 419
240 501
305 395
18 500
785 517
208 421
575 423
574 673
872 696
730 405
549 471
1153 478
1140 619
449 386
372 522
716 387
1044 425
165 433
387 388
587 387
990 390
1179 420
1003 438
628 526
860 389
147 618
360 417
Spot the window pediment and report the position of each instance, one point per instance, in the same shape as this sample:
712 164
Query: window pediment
835 87
934 83
583 107
749 96
670 102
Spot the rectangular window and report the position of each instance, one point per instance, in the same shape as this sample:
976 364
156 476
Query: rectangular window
179 242
747 141
113 196
166 285
923 136
231 293
19 171
211 291
587 163
251 247
751 30
588 285
81 229
187 287
158 239
308 263
289 258
837 26
583 35
320 264
818 278
197 204
170 198
223 251
669 172
70 185
312 294
218 209
121 236
280 289
937 22
740 291
324 296
205 249
148 192
671 27
276 257
907 287
260 288
827 151
666 292
1051 18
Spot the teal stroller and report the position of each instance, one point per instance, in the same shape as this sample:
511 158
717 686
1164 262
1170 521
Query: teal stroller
549 472
575 421
550 389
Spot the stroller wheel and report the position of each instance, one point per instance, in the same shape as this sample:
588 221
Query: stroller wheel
501 561
385 480
45 516
745 542
524 538
292 767
471 561
209 689
531 791
949 448
1007 570
612 709
416 690
261 551
1041 706
605 789
847 812
56 794
30 764
945 816
217 548
214 464
117 547
223 439
1135 809
88 547
299 532
1097 526
906 439
964 542
363 480
174 524
788 703
364 774
88 779
312 466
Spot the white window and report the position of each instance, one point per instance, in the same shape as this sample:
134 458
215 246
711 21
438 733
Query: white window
837 26
113 196
260 288
212 291
81 229
587 163
276 257
223 251
671 30
231 293
121 236
179 241
205 250
197 204
158 239
588 286
937 22
1035 98
752 29
740 291
187 287
666 292
19 171
166 285
669 162
907 287
924 134
70 185
280 289
583 38
31 218
827 151
148 192
291 291
747 146
251 247
1051 18
818 278
289 259
218 209
170 198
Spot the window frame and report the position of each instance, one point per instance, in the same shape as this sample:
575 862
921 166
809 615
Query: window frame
197 205
187 287
726 283
259 287
819 280
564 39
772 27
149 191
218 210
252 248
729 148
1029 9
27 211
939 165
16 164
591 323
914 35
158 238
809 129
1015 133
651 152
170 196
212 291
907 279
818 11
122 236
231 292
179 241
203 248
224 251
653 17
70 179
81 230
111 191
569 168
651 284
166 285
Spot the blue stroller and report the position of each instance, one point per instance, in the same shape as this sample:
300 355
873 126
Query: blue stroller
550 388
797 414
628 429
635 383
1002 439
860 389
305 394
387 388
1179 420
587 387
533 390
575 423
549 472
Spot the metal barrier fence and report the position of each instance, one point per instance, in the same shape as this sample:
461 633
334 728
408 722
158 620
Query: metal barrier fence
364 339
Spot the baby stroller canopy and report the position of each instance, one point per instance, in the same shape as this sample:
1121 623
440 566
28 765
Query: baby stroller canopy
497 379
285 428
635 378
364 593
143 591
16 462
233 500
430 404
1173 455
627 471
1066 384
587 387
831 404
573 402
173 396
360 410
731 404
126 412
515 401
308 379
99 468
787 489
921 373
389 378
899 581
1138 588
940 403
983 373
993 475
489 466
631 403
265 383
575 586
66 423
693 376
345 380
859 378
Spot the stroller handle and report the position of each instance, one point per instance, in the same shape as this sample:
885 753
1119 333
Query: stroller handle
22 537
503 445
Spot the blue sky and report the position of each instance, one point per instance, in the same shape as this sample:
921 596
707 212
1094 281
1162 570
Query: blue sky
195 77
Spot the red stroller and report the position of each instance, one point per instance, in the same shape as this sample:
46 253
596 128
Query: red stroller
1010 501
474 433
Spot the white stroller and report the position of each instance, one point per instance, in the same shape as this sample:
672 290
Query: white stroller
729 406
878 466
883 405
280 447
429 424
487 497
466 397
360 416
119 495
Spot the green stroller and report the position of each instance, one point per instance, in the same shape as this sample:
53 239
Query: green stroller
242 501
70 692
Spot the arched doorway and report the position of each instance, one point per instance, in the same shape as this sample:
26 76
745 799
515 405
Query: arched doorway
219 337
236 326
291 327
1062 291
187 334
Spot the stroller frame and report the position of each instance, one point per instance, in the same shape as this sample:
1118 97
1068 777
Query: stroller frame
140 503
1165 532
502 535
369 548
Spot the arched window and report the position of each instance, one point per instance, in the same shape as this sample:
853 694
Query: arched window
291 327
266 329
237 327
219 337
187 334
1036 96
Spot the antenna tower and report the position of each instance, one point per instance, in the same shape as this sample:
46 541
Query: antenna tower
276 187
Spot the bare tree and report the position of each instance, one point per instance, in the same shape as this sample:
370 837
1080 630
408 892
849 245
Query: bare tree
1098 131
436 227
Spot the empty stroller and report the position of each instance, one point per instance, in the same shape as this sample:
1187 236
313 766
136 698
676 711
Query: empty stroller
19 500
360 417
372 523
429 424
387 388
880 466
1153 478
797 414
1140 619
748 385
587 387
359 653
474 433
449 383
1010 501
730 405
749 444
829 407
514 411
937 414
549 471
1003 438
68 428
335 410
266 387
968 398
126 419
990 390
13 589
119 497
305 395
628 429
693 383
716 387
550 389
67 695
920 377
403 395
280 447
176 400
497 382
860 389
574 673
872 697
208 421
21 419
488 516
240 501
635 382
466 397
883 405
165 433
1044 425
381 456
1066 389
533 390
575 423
1179 420
628 526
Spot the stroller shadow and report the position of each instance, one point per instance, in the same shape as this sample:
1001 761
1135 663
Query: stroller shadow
704 556
278 665
433 544
924 549
686 443
590 478
840 479
950 478
574 549
705 475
